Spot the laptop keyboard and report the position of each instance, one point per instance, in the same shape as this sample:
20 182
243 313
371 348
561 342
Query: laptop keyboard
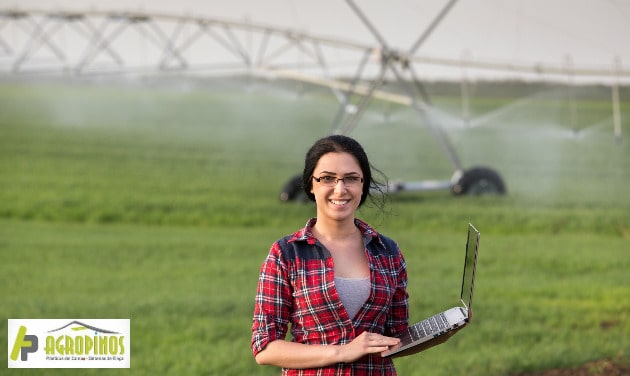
432 325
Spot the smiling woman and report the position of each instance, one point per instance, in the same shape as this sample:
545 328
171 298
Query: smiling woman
302 280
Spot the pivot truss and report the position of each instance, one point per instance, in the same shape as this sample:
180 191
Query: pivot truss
109 42
102 42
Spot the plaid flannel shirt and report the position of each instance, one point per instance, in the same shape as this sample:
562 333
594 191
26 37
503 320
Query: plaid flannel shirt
296 286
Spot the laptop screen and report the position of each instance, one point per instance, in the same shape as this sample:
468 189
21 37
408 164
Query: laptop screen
468 280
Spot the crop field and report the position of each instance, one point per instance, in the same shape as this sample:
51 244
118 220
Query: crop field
157 202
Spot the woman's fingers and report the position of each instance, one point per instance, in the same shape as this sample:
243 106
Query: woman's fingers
383 340
376 342
367 343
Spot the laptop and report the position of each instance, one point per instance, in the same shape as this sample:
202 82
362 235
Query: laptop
437 325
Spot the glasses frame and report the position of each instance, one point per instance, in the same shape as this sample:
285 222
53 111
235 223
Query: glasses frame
334 184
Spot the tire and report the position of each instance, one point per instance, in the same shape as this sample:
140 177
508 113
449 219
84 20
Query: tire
292 190
479 181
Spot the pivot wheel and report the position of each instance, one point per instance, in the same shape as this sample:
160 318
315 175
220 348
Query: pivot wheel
292 190
479 181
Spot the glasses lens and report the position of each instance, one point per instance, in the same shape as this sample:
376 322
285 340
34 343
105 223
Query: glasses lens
328 181
352 180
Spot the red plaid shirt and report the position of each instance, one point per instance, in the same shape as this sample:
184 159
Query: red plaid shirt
296 286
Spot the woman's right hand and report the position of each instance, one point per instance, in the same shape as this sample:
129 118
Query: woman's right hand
366 343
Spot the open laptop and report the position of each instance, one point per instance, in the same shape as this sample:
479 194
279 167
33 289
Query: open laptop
457 317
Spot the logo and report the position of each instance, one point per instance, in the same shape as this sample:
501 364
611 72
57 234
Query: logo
83 343
23 345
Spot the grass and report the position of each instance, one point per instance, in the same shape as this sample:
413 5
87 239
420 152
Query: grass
159 205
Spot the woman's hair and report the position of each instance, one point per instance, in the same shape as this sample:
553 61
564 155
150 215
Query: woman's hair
341 144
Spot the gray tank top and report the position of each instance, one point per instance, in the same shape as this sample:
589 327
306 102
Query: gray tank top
353 292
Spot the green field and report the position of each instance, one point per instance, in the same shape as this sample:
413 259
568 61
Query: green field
159 202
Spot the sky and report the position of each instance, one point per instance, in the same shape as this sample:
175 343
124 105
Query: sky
578 33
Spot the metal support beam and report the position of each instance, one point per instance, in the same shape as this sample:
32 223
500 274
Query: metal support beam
392 60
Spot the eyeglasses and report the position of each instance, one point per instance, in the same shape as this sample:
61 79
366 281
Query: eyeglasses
331 181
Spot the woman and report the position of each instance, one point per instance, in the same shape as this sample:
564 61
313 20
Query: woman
338 284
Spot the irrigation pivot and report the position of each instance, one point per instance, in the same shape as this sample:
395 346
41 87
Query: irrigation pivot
476 180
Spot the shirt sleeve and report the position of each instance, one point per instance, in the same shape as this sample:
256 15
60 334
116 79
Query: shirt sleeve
398 318
273 301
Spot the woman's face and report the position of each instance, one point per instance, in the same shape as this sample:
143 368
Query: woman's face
340 200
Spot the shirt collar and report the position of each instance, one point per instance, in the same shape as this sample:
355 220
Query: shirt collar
306 235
